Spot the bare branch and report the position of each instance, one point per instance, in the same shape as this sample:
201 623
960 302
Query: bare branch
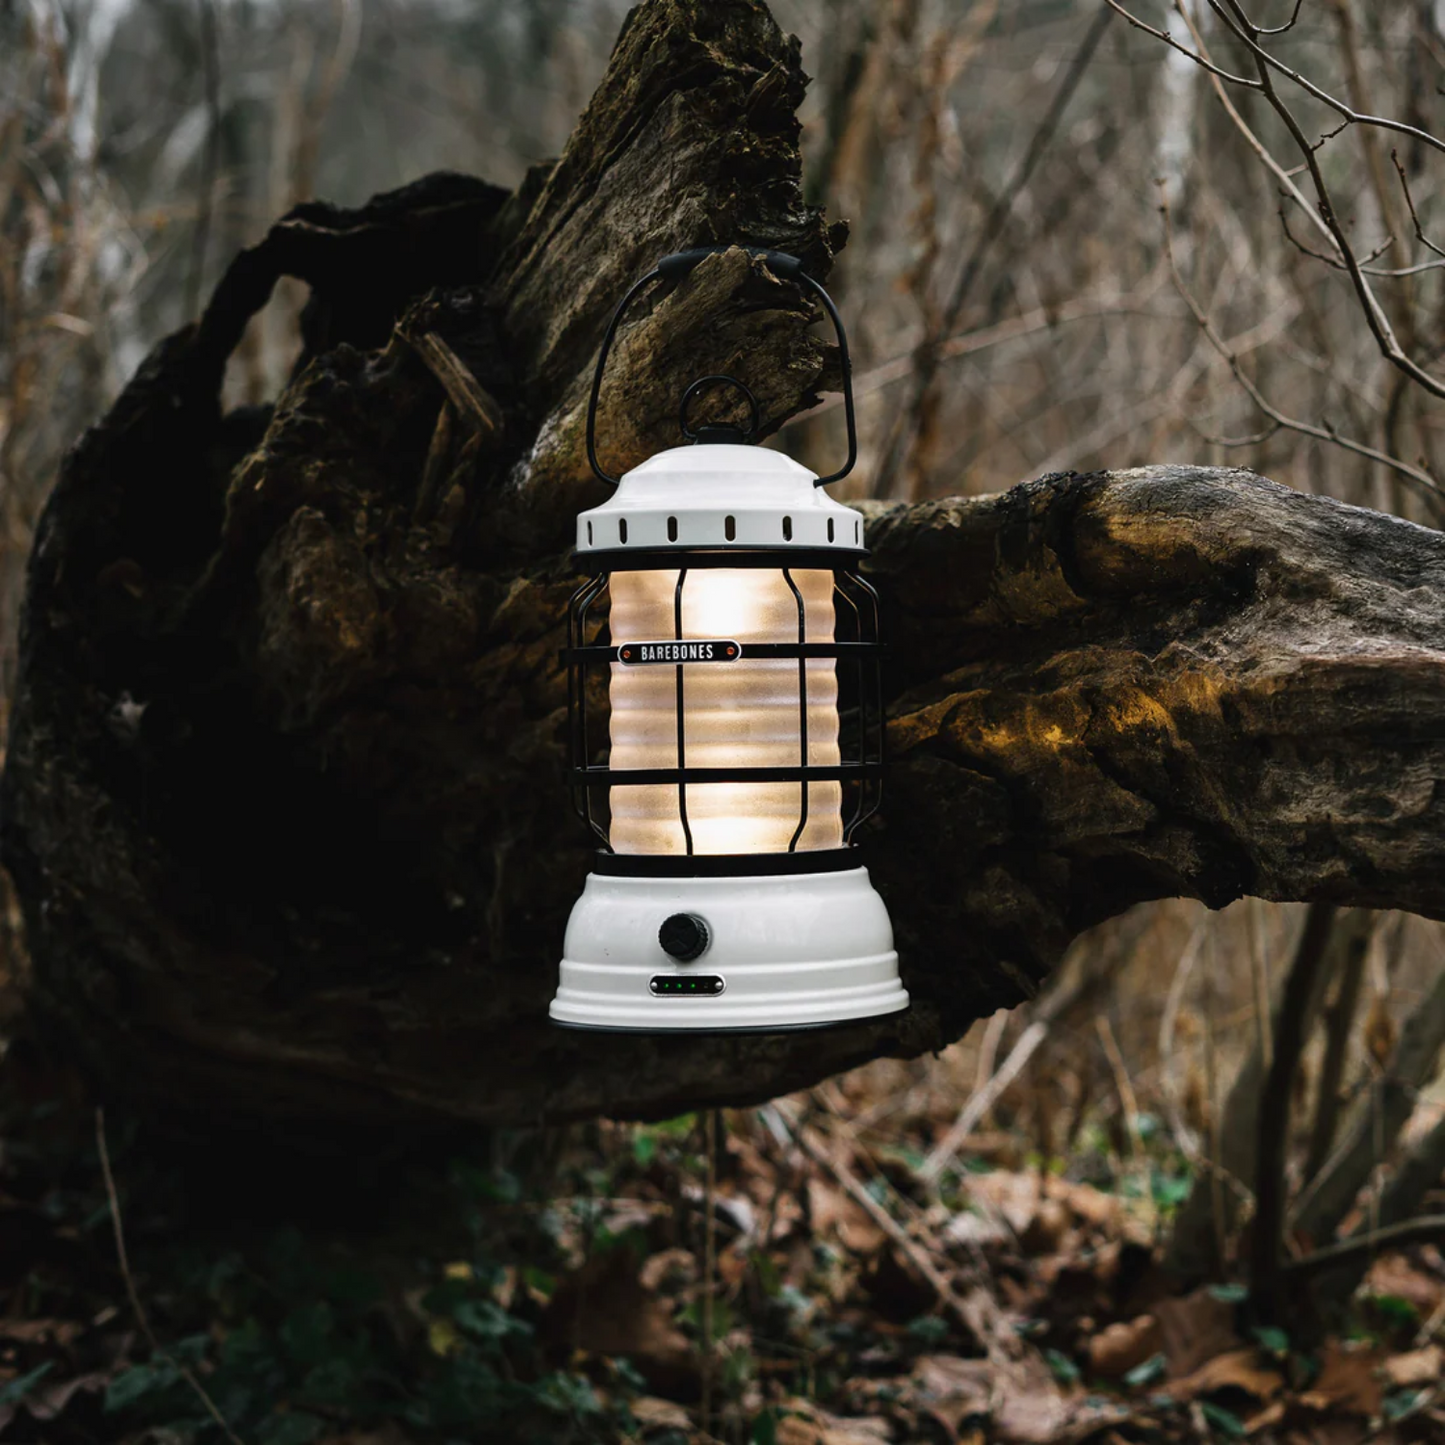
1420 235
1395 1236
1240 26
1285 175
1168 39
1422 479
1387 272
1288 24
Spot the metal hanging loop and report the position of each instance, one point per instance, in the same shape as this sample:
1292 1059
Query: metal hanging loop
677 267
697 386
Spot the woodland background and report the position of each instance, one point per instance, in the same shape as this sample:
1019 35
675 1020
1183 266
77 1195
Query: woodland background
1010 172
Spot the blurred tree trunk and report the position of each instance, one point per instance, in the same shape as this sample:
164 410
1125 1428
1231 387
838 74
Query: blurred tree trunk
283 796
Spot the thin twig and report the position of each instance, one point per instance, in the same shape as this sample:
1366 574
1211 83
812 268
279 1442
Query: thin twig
1326 433
1284 175
1375 317
926 358
1168 39
1420 235
136 1307
1392 1236
982 1100
1241 27
977 1314
1128 1102
709 1266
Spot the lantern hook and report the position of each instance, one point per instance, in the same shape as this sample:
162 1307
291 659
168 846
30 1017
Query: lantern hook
718 431
677 267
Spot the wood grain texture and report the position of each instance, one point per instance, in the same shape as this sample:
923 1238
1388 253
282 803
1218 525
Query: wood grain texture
283 797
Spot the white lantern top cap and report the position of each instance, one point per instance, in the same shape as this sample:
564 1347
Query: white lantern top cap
720 495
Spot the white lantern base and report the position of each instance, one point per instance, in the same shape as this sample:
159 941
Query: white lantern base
789 951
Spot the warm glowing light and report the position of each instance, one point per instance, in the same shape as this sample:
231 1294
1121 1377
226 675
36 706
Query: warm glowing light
743 714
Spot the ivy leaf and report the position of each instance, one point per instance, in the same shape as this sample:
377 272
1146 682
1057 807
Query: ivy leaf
1272 1338
1225 1421
18 1389
1064 1370
135 1383
1229 1294
1146 1374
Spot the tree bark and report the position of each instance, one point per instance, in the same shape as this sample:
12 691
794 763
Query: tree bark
283 798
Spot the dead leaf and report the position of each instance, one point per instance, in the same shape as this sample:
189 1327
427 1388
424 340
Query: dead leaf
605 1309
1046 1230
1026 1405
1347 1382
1194 1329
650 1411
39 1332
835 1213
1117 1350
1270 1415
1089 1205
44 1404
668 1266
983 1231
805 1423
1395 1275
1014 1198
1243 1369
1418 1367
954 1390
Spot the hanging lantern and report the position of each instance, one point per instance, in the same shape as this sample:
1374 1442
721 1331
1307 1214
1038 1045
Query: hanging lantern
728 632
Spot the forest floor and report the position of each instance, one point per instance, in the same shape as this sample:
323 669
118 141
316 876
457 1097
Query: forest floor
560 1286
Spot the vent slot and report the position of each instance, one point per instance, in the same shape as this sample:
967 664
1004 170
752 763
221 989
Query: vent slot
830 529
589 534
856 526
730 528
622 529
787 529
672 529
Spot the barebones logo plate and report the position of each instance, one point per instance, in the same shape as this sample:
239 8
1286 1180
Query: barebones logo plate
704 649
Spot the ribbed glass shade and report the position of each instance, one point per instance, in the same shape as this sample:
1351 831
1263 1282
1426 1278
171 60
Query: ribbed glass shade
744 714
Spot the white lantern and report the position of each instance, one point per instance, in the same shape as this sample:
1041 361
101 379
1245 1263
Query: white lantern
744 738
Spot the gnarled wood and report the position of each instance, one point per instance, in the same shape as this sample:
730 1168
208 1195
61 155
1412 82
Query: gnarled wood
283 795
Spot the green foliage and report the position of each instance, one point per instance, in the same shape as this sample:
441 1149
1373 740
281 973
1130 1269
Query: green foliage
1064 1370
302 1334
1150 1372
929 1330
1273 1339
1225 1424
18 1389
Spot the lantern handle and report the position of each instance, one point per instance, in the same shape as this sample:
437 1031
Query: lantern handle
677 267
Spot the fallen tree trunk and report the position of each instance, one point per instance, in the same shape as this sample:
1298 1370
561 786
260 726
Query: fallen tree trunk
283 795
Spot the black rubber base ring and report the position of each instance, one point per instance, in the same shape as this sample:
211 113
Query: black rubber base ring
735 1029
725 865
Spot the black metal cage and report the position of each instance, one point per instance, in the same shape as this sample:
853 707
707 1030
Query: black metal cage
592 650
